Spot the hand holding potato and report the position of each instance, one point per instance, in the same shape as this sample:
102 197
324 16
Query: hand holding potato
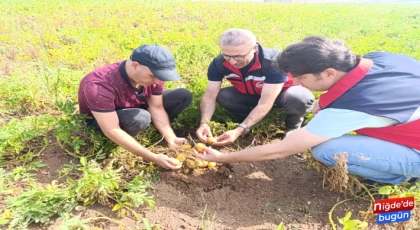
209 154
167 162
203 132
176 142
227 138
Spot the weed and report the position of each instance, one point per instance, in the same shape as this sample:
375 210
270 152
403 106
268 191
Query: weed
352 224
39 204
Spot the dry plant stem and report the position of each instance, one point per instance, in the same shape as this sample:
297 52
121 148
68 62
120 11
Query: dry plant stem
367 190
106 218
331 212
151 146
67 151
189 136
252 143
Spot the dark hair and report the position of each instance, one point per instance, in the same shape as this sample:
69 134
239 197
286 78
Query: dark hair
315 54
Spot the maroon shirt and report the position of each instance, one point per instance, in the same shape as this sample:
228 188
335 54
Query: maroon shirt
107 89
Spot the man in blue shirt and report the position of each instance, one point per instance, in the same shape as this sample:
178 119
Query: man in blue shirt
375 95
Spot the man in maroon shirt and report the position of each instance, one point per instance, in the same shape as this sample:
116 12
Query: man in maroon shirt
121 99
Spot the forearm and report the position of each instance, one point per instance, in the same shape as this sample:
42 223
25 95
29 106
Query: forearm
207 107
257 114
257 153
297 142
161 122
121 138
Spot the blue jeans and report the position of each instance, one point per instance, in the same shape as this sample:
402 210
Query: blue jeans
296 101
372 158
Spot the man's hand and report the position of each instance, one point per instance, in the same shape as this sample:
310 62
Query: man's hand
176 142
203 132
316 107
228 137
209 154
167 162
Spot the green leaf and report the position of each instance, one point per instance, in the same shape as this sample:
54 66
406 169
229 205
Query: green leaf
347 217
385 190
83 161
116 207
16 177
147 224
363 225
350 225
70 181
128 204
281 226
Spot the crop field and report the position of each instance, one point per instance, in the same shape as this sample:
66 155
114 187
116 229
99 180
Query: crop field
57 173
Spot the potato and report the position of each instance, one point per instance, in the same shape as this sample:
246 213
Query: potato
176 162
192 164
186 146
186 170
200 147
201 163
211 164
211 140
181 157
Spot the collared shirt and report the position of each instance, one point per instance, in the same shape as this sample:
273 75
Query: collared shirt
106 90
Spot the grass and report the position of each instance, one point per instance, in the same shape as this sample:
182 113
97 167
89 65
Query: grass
46 47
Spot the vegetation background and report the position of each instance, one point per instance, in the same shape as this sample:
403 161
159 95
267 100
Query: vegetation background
46 47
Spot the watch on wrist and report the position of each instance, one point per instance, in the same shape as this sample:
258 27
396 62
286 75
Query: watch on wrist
245 127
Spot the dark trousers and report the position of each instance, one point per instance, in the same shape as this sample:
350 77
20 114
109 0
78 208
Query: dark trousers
134 120
296 101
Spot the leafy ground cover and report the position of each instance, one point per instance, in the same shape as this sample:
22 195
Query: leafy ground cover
55 173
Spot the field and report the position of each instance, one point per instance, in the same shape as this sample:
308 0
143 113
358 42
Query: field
55 173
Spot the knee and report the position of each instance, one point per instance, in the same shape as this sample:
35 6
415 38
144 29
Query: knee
324 153
138 123
299 99
142 119
223 98
185 96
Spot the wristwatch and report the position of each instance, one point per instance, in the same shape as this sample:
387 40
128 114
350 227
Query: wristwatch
245 127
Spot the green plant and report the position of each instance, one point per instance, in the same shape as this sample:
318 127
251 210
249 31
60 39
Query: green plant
72 131
15 135
68 128
401 191
133 194
207 221
39 204
148 226
352 224
103 185
77 223
96 184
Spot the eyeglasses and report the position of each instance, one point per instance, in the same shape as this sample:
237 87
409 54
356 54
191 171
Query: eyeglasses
236 57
